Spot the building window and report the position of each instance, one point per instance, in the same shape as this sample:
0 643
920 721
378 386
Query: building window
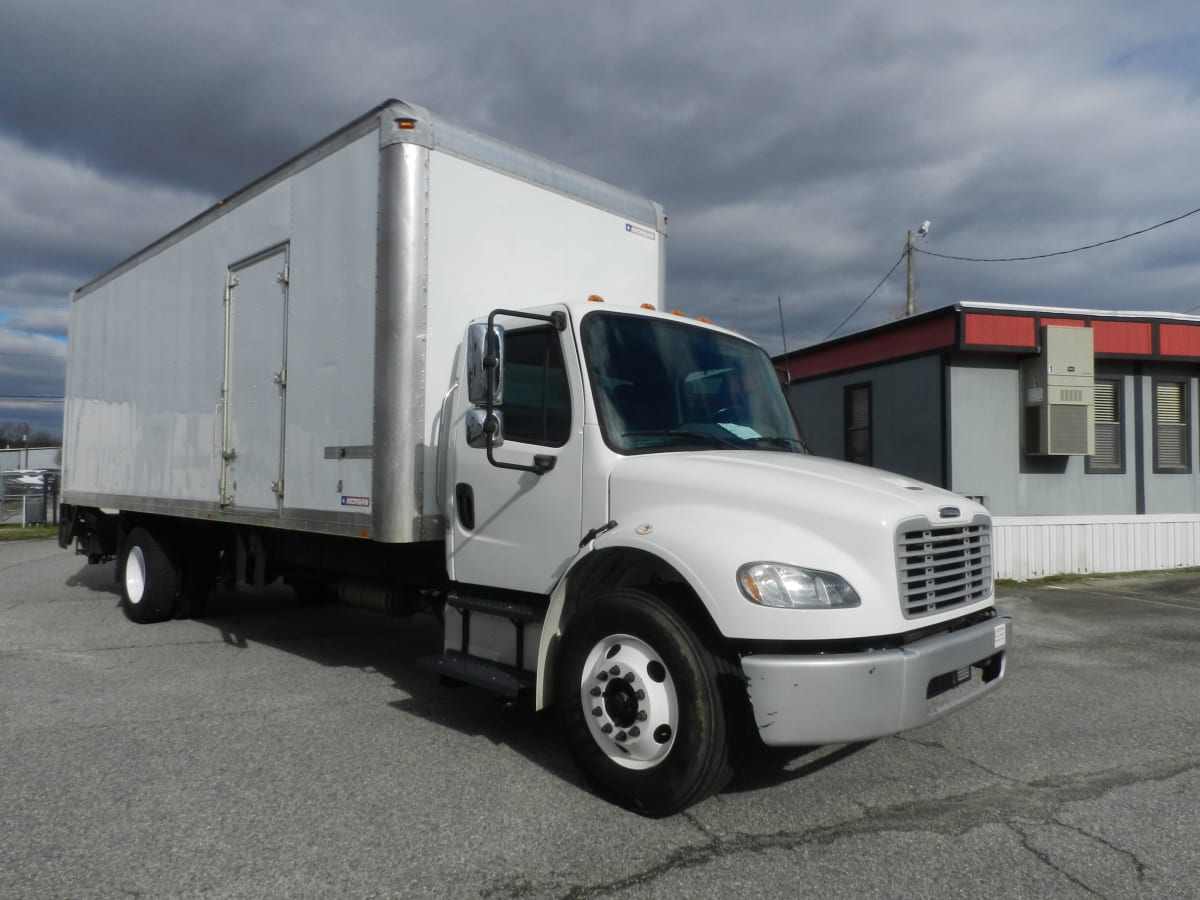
537 400
1172 444
858 423
1109 457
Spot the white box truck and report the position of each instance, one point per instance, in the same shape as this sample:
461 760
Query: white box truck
384 371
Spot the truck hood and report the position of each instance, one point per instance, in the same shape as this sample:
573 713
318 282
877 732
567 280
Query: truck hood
708 513
789 483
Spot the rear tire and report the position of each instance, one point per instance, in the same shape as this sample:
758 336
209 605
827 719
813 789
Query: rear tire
149 579
651 735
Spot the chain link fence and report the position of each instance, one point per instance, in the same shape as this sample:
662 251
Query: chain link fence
29 498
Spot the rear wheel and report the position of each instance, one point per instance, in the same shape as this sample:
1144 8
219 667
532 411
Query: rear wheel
149 579
642 700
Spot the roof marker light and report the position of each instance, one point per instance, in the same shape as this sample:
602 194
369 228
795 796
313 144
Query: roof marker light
647 306
595 298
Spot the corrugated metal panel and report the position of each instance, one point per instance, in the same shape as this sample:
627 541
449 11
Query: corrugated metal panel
999 331
1179 340
1041 546
1132 338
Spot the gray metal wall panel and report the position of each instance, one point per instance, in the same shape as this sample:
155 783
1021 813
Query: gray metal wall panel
987 461
906 428
1175 492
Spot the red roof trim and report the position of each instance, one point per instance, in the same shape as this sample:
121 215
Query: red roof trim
1179 340
1125 338
999 331
921 337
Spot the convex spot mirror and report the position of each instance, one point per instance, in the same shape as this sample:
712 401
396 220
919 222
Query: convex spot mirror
485 355
477 428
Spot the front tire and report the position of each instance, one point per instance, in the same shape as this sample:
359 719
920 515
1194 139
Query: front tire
149 579
642 700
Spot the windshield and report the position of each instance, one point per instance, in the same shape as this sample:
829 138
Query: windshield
662 385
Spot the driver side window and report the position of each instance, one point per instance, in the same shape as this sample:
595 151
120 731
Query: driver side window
537 398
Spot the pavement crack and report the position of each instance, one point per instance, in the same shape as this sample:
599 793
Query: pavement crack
1139 867
1044 858
938 745
1006 804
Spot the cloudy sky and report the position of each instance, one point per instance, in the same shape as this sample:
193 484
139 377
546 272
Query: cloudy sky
792 142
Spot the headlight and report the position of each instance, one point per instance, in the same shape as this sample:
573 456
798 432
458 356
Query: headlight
790 587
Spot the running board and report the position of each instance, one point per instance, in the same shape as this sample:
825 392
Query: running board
507 681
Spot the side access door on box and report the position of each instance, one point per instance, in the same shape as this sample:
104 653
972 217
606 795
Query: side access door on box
255 384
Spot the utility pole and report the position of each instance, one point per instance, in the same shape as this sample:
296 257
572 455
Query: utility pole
910 305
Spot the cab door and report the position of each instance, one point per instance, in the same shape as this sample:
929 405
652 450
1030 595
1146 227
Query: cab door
510 527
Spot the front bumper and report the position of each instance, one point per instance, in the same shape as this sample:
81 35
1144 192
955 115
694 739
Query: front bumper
836 698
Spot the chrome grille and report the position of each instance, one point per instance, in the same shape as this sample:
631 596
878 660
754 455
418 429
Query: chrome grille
941 567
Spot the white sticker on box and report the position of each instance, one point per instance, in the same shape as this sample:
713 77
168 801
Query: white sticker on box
1000 636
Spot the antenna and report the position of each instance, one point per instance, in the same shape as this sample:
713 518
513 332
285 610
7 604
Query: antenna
787 370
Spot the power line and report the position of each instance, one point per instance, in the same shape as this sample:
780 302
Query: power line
1057 252
854 312
35 355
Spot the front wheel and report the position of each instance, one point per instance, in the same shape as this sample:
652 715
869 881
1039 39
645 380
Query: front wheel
643 703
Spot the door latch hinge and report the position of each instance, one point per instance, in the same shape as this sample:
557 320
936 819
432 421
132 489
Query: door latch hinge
277 487
281 377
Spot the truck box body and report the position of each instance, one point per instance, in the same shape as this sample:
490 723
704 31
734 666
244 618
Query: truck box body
282 358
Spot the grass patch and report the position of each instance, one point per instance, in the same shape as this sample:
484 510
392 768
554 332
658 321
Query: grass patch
32 533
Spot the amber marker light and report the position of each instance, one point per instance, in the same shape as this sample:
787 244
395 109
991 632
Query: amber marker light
647 306
595 298
406 124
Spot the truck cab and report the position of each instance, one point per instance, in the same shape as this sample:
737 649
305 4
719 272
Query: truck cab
636 531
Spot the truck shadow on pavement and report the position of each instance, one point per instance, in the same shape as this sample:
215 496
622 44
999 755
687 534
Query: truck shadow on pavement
338 636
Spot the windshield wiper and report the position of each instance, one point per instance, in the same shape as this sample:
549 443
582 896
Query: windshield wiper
710 439
783 443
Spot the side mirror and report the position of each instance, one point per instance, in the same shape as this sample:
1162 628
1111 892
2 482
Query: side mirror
478 425
485 353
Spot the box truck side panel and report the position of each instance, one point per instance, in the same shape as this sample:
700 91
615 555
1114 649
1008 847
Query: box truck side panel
527 244
142 415
330 333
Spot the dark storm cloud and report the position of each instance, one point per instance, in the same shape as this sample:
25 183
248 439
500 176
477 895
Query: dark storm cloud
791 144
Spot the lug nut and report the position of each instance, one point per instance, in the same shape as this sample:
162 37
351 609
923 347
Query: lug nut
629 676
641 695
596 711
603 676
595 692
606 728
615 670
634 731
641 716
621 736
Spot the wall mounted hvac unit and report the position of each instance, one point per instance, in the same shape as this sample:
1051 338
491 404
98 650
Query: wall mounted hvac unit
1057 394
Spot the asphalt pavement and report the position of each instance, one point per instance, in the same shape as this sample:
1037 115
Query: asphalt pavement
280 750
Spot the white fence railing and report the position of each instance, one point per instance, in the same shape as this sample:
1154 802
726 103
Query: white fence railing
1041 546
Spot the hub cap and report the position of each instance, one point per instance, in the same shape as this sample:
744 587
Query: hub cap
135 575
629 702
